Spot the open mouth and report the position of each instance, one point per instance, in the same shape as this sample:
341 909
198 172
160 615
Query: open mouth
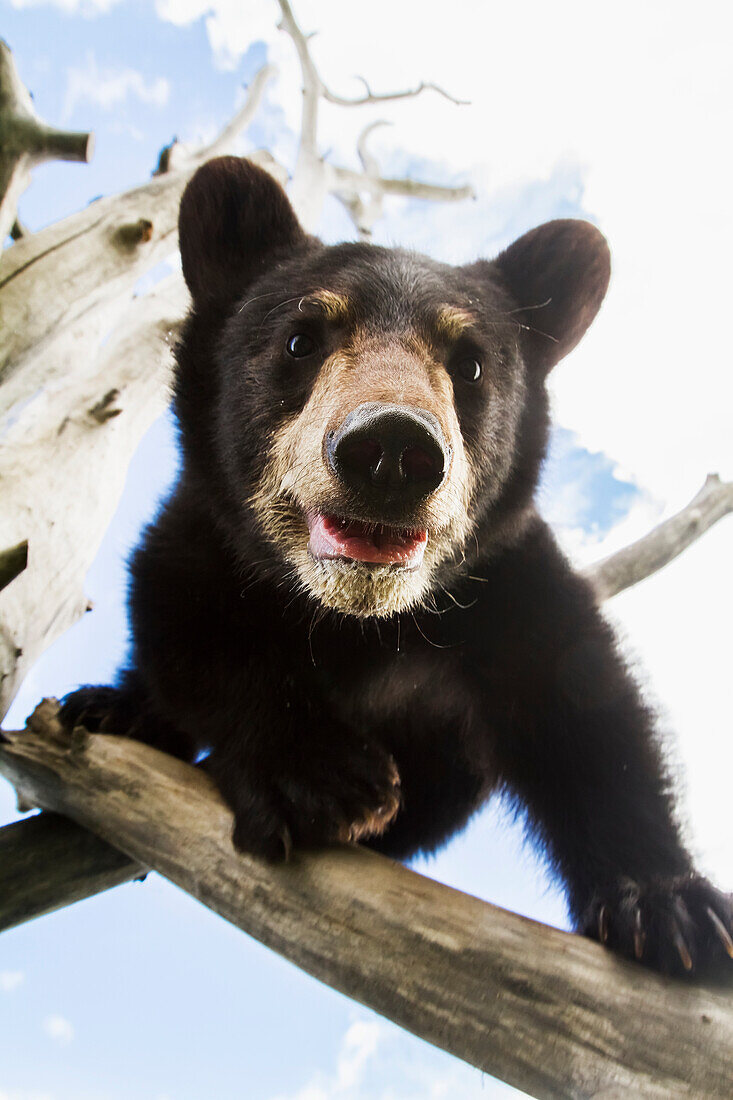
333 537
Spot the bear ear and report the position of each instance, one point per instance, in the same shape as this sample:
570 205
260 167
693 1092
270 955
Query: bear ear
234 218
558 275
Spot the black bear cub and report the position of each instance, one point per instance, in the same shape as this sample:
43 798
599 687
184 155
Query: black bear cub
350 600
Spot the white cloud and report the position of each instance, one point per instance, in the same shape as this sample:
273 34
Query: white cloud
397 1074
70 7
59 1029
10 980
109 87
357 1047
232 25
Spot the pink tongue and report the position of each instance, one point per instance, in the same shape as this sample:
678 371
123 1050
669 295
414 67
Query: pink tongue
331 537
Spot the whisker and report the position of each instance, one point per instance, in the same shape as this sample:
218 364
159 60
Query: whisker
463 606
435 645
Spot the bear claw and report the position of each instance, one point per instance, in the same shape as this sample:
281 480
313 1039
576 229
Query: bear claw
679 925
722 931
639 934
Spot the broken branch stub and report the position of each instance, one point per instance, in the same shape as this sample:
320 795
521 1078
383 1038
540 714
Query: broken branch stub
26 141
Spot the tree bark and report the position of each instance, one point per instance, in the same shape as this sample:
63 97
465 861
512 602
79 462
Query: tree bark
63 464
546 1011
47 862
662 545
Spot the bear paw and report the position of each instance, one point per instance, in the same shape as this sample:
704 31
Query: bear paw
101 709
678 925
98 709
345 796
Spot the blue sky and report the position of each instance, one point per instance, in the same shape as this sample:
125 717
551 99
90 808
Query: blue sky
142 991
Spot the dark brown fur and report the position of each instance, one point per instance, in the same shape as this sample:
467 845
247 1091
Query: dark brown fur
344 701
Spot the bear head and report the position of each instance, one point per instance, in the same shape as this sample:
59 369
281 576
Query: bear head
364 421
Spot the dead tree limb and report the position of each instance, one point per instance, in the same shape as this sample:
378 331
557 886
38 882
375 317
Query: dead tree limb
47 862
547 1011
314 177
61 473
389 97
97 256
26 141
71 331
662 545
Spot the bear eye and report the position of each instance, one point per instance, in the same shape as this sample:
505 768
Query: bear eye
469 369
300 345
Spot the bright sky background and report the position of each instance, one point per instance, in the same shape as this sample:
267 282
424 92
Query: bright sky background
619 113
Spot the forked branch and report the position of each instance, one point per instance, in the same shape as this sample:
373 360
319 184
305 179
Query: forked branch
389 97
361 193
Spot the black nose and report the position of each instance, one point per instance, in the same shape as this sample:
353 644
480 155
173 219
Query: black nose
392 451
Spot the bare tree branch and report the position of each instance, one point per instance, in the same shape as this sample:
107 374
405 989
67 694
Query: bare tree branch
309 184
548 1012
652 552
360 193
369 162
412 188
177 156
47 862
389 97
63 291
364 208
63 462
26 141
93 261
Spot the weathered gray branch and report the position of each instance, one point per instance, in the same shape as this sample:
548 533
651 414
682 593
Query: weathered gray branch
26 141
364 208
546 1011
363 193
389 97
652 552
314 177
177 156
96 258
63 462
315 88
47 862
71 333
411 188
